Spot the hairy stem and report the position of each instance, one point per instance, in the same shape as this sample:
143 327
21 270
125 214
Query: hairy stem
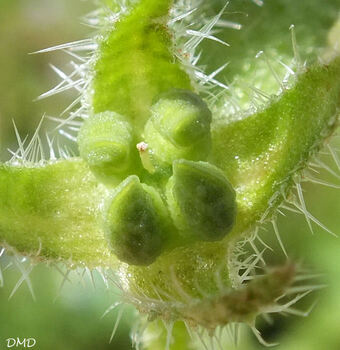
136 63
59 204
54 212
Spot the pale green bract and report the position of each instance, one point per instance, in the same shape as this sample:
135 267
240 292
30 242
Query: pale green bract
179 127
106 143
178 170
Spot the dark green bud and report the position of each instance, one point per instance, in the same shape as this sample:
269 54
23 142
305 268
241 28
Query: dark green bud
136 222
105 142
201 200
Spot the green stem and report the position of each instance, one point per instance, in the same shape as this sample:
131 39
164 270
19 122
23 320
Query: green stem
136 64
262 153
54 212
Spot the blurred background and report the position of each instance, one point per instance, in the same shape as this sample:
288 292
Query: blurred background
66 313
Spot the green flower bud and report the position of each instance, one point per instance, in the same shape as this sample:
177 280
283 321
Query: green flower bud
182 117
178 128
201 200
136 222
105 142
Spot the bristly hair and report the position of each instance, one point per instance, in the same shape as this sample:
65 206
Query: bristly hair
190 27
